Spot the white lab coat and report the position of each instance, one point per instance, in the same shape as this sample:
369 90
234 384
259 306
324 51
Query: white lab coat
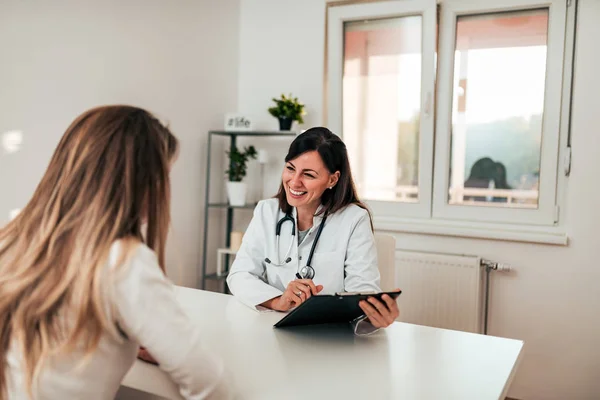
345 258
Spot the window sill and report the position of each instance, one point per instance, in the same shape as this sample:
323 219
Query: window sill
477 230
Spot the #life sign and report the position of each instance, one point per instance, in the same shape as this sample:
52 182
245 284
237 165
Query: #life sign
237 122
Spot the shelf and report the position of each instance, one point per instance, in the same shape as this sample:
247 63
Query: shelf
226 205
216 277
254 133
226 254
226 251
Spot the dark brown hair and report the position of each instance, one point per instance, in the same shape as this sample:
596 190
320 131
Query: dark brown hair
334 154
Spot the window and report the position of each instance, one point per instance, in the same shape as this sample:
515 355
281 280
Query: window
382 105
497 108
493 80
382 75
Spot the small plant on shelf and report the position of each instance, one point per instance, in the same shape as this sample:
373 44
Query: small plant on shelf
238 165
287 109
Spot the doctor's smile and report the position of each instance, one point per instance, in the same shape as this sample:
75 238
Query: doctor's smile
297 194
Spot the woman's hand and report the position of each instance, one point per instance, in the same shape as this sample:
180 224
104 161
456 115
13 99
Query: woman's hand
145 356
381 314
296 293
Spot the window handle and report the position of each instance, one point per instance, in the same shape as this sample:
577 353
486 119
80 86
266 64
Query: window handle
427 106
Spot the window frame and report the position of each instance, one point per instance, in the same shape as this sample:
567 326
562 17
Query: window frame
337 16
546 227
546 212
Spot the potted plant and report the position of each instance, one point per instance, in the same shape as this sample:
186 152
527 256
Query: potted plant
236 189
287 110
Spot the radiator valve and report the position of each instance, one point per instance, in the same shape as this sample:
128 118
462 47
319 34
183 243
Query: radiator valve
496 266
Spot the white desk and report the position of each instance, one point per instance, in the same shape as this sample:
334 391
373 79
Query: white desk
403 361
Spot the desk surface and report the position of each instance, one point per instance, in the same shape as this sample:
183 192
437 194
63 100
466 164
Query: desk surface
404 361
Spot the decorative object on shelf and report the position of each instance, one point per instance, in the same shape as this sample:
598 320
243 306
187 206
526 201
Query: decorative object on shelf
236 189
263 156
263 159
223 271
235 240
287 110
237 122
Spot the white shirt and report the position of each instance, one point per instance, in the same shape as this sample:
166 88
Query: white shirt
148 314
345 259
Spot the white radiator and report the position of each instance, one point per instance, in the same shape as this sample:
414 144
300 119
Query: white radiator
441 290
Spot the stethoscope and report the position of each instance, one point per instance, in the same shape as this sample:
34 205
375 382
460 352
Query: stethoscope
307 272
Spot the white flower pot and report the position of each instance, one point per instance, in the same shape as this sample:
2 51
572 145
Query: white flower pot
236 193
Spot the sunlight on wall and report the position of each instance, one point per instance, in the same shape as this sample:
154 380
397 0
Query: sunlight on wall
13 213
11 141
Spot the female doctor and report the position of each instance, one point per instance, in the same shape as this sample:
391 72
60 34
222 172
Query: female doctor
314 237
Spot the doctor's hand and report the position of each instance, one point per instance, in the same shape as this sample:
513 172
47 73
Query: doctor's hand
381 314
296 293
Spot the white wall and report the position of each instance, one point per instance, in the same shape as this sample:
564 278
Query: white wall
281 51
178 60
552 300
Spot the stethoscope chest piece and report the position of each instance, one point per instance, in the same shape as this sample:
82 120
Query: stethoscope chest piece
307 272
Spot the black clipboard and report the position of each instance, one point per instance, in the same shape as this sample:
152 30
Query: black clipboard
329 309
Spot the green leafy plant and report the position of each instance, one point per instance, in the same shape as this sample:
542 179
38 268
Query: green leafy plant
238 163
288 107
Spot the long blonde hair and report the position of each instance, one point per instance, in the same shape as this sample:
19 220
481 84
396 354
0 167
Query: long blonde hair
108 177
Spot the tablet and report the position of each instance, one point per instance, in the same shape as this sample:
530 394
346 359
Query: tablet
329 309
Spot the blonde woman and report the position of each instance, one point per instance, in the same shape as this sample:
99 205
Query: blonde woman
82 279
